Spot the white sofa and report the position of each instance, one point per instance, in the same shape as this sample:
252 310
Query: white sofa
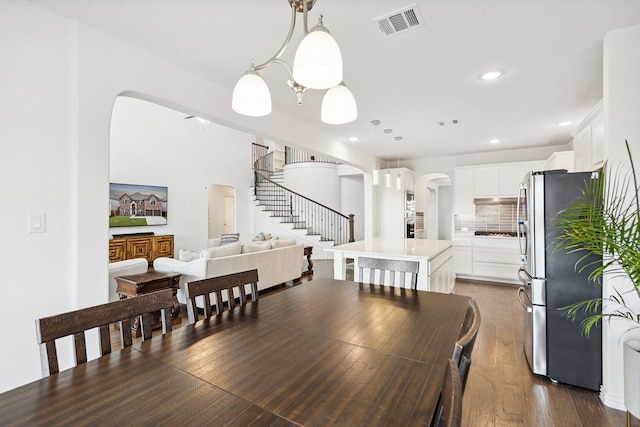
124 268
275 266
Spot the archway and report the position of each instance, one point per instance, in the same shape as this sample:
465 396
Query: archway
433 206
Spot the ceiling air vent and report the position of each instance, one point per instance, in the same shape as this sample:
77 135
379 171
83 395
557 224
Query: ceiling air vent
405 19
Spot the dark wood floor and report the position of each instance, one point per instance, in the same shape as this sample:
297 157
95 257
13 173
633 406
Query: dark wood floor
501 390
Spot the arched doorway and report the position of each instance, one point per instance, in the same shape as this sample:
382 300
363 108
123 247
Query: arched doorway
434 203
221 217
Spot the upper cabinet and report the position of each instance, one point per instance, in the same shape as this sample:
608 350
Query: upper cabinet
495 180
560 160
588 141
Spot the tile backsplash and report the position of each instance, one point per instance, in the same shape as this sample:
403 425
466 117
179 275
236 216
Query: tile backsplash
496 217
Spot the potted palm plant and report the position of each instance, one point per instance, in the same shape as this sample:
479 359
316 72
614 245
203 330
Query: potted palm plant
605 220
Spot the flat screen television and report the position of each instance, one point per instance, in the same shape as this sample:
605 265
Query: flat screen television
132 205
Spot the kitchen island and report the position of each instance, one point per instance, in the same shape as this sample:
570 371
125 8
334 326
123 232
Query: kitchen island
435 258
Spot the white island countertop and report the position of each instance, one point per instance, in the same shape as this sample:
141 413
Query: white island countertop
423 248
435 259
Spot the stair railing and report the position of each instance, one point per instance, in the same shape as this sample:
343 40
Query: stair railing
303 212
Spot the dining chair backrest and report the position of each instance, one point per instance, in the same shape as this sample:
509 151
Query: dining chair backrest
123 311
448 412
215 285
392 266
465 343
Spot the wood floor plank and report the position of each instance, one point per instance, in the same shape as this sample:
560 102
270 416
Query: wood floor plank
501 390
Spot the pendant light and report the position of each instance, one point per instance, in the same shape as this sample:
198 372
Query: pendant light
387 179
398 177
318 61
317 65
375 168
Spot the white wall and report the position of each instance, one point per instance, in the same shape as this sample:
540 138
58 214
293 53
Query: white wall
316 180
352 202
621 111
154 145
445 208
39 174
59 82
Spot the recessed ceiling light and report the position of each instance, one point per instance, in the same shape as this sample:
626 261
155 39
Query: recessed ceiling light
353 139
567 123
494 141
491 75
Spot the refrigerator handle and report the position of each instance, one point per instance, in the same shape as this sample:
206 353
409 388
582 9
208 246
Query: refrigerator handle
522 229
525 280
528 307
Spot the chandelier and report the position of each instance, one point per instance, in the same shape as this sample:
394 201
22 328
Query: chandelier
317 65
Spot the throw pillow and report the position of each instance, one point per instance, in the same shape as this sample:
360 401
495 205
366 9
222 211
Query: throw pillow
258 237
255 247
277 243
225 239
188 255
220 251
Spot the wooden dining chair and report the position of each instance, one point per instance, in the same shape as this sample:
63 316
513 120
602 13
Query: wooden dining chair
75 323
393 266
215 285
448 411
466 341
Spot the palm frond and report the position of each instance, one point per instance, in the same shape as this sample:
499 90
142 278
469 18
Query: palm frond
604 220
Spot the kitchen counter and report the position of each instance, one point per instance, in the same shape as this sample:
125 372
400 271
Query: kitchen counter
434 256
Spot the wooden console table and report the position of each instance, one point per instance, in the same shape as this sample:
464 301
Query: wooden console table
152 281
149 247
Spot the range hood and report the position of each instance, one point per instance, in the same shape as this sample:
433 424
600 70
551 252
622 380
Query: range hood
495 201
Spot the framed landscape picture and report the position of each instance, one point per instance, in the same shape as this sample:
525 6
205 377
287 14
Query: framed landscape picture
137 205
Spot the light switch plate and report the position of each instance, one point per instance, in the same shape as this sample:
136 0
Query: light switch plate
37 222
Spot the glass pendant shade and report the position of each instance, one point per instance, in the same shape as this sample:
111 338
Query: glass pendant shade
387 180
318 61
375 172
338 106
251 96
398 182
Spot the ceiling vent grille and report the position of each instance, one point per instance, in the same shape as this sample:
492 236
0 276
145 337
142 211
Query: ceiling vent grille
400 21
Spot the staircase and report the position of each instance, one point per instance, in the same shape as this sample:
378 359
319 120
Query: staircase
275 203
309 220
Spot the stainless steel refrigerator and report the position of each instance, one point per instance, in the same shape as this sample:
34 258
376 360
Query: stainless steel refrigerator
553 344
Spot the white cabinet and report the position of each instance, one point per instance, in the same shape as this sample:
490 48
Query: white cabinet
496 259
463 191
589 146
560 160
486 181
510 178
463 256
495 180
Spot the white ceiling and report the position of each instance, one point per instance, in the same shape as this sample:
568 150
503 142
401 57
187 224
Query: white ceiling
550 51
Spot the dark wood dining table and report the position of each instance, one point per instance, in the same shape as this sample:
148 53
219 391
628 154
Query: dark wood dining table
326 352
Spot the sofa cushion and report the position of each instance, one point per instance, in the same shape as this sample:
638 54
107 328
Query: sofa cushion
213 242
184 255
226 239
255 247
224 250
277 243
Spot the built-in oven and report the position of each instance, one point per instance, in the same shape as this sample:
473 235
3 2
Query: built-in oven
409 215
410 226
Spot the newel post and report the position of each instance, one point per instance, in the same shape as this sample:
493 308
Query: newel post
351 238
